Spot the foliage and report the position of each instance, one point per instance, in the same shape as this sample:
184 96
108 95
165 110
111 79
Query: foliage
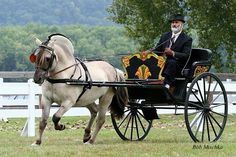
94 42
216 30
211 24
144 20
90 12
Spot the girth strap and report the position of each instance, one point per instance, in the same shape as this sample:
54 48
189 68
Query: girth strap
87 79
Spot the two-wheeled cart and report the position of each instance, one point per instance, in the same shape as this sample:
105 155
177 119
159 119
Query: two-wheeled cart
199 94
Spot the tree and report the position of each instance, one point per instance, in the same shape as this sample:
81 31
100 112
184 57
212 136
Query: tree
212 21
144 20
215 23
96 42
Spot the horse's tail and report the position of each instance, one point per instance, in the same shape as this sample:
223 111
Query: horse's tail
120 99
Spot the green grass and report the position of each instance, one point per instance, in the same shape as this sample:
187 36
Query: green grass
168 137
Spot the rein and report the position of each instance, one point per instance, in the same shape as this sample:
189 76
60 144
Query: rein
65 70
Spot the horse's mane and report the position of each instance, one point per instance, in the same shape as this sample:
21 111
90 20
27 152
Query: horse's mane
62 41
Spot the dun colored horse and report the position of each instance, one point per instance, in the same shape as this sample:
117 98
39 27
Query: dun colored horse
55 64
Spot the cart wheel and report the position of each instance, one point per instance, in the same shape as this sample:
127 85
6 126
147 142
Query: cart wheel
133 126
206 108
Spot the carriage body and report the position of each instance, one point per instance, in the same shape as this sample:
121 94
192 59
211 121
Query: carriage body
197 92
149 66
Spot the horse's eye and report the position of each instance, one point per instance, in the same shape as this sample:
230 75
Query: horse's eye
48 59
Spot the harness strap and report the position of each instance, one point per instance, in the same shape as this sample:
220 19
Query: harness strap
88 79
87 74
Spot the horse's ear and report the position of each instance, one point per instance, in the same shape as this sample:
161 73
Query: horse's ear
37 41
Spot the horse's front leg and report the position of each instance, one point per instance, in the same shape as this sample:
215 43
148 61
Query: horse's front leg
43 122
57 116
93 111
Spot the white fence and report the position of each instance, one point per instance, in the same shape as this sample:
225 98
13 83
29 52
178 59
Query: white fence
26 104
29 107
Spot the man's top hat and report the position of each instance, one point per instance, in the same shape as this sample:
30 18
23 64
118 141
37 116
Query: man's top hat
177 17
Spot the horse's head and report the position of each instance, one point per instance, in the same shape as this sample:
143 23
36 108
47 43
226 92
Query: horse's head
49 54
44 59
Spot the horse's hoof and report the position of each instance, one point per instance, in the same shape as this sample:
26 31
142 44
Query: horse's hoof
36 143
86 139
60 127
88 143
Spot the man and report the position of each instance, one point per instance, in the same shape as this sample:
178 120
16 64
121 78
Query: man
176 45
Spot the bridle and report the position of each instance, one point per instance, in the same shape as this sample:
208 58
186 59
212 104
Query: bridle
44 47
50 51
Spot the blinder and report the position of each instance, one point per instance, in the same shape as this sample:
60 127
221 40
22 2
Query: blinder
42 49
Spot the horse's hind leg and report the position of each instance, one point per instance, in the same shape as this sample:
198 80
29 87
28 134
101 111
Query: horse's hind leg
93 111
57 116
104 102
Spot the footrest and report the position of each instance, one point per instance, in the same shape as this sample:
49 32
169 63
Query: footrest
150 113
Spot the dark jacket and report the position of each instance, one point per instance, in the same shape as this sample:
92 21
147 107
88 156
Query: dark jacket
182 46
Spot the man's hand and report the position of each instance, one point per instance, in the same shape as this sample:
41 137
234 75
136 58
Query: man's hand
169 52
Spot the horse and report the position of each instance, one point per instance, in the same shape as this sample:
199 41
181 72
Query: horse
55 65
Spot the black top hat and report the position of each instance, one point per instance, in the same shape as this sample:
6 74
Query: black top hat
177 17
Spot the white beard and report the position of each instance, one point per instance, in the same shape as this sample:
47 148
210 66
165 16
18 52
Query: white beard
176 29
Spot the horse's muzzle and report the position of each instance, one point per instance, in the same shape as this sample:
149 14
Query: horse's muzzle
39 76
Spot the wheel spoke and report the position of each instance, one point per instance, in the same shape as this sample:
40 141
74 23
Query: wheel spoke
214 89
190 114
218 113
126 110
216 97
196 105
208 130
196 118
127 125
124 119
198 127
204 89
137 131
196 97
203 129
216 105
213 128
143 116
132 127
215 121
200 92
141 123
209 88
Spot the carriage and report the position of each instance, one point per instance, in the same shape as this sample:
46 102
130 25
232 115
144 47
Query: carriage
199 94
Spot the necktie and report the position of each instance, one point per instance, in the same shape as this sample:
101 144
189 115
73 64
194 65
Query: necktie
172 41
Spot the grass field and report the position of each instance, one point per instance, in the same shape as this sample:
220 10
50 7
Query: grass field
167 138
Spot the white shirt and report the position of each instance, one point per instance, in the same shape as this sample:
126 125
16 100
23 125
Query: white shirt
176 35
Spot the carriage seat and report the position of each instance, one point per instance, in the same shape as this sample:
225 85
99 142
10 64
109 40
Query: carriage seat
199 61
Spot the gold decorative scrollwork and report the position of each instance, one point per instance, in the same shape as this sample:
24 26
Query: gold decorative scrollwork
143 71
200 69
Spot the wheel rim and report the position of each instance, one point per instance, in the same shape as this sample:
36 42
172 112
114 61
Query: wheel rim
133 126
206 108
